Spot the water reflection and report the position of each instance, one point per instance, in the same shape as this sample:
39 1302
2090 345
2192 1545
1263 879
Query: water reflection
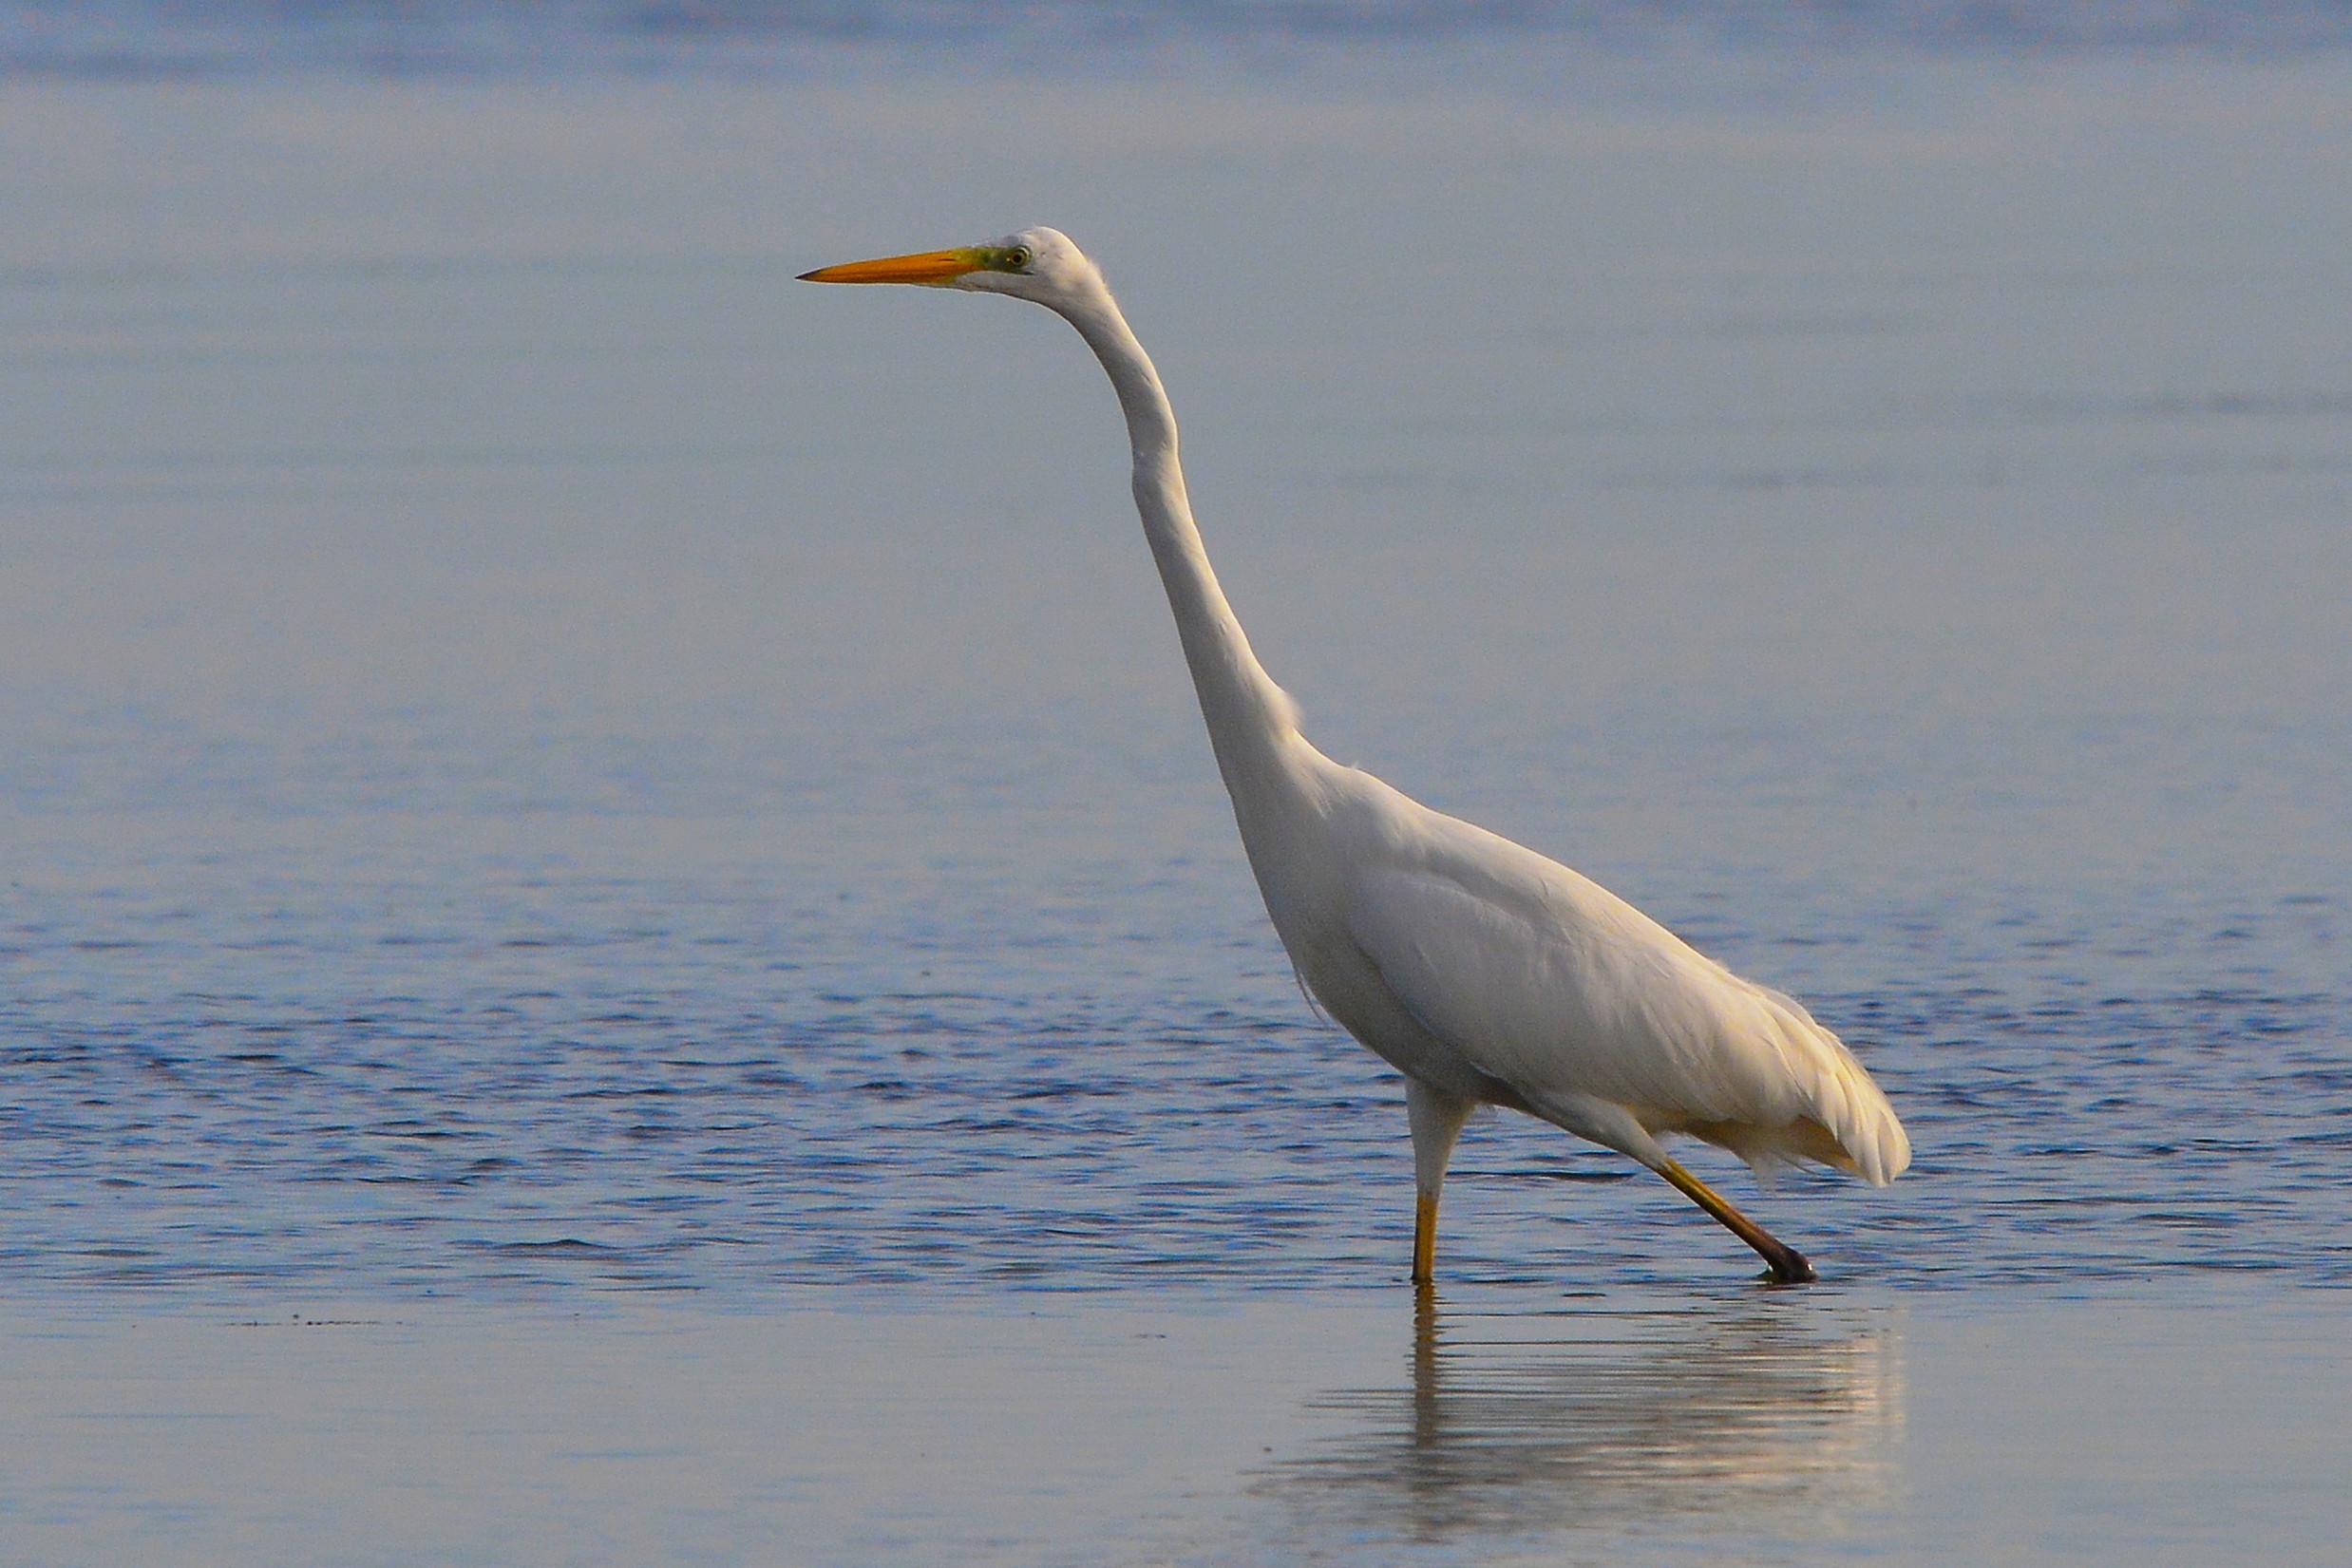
1725 1414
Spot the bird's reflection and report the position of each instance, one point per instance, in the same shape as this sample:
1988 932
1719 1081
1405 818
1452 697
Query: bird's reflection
1747 1413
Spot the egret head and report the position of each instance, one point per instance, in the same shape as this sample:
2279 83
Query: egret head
1035 264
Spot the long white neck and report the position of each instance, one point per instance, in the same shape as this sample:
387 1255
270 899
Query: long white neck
1250 719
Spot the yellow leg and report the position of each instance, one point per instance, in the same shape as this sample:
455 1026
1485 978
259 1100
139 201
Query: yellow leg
1787 1264
1424 1237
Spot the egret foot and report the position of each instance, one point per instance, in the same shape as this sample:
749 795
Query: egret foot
1784 1264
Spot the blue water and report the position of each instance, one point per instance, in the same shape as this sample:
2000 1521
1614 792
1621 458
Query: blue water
228 38
542 755
458 1049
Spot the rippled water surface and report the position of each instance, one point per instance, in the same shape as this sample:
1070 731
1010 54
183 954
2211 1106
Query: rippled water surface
445 1053
619 943
542 753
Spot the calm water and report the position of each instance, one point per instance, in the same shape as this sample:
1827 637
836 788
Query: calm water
542 758
1272 1428
542 753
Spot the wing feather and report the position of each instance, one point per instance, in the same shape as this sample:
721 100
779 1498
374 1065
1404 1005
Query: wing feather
1545 980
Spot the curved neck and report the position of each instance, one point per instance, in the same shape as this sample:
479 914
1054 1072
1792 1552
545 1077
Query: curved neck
1248 715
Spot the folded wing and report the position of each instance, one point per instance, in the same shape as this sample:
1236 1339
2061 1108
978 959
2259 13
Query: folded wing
1547 981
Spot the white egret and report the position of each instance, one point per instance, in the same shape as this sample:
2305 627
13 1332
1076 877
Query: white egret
1484 973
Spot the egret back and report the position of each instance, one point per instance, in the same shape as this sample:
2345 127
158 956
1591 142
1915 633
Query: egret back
1598 1014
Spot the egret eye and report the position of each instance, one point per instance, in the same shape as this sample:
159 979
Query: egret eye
1018 259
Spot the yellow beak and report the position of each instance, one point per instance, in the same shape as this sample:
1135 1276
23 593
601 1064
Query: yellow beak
929 267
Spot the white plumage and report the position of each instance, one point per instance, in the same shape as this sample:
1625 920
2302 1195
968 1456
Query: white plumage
1483 972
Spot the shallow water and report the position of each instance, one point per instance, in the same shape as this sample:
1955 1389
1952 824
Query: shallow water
546 764
1273 1429
316 1059
545 753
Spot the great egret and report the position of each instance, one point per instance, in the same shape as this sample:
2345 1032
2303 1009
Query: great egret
1484 973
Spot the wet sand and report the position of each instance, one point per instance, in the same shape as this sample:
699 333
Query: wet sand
1738 1427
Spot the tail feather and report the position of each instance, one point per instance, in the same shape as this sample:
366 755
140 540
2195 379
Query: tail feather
1843 1099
